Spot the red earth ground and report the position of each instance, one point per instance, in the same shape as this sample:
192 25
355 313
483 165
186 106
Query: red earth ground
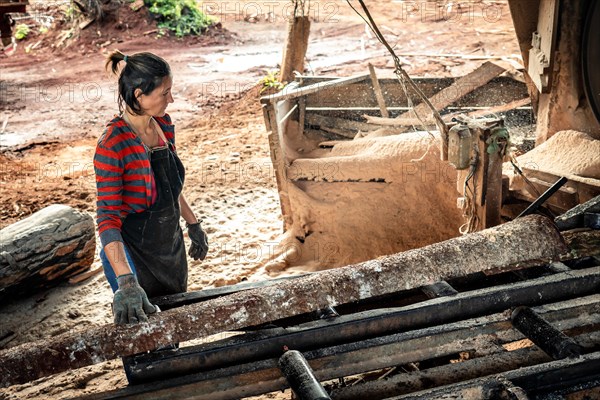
55 100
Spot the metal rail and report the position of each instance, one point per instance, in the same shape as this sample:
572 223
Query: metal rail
361 326
247 364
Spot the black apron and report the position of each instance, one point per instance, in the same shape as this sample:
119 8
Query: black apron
154 237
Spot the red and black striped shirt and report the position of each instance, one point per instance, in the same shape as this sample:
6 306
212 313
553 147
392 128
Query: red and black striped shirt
124 178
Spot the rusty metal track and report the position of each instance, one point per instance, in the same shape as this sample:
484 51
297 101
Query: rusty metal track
564 376
530 238
264 376
247 364
451 373
364 325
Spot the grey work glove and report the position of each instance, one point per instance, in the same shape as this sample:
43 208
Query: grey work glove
130 303
199 247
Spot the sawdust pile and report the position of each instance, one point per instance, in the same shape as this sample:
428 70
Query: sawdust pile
366 198
566 153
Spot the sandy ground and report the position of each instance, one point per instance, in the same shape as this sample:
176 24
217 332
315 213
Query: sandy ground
55 102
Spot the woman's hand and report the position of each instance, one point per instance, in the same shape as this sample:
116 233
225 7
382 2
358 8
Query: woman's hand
130 303
199 247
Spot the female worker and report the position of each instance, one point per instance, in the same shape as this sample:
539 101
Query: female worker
139 181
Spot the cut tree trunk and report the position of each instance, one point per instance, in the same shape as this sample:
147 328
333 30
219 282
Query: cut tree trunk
520 241
45 248
295 48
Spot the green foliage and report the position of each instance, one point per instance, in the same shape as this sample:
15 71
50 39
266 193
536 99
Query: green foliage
21 31
498 140
271 81
72 12
183 17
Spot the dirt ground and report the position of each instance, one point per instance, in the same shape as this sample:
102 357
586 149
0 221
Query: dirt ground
55 99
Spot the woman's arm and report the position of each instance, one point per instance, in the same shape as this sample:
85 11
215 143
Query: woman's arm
186 211
115 252
109 171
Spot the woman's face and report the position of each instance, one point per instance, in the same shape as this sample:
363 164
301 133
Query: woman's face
155 103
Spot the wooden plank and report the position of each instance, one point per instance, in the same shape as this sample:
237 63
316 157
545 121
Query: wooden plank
524 16
306 90
278 159
302 113
500 109
461 87
529 238
541 55
405 121
338 132
280 166
500 90
378 92
564 199
485 186
399 121
322 121
491 209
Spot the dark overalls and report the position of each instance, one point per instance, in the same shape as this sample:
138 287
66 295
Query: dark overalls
153 238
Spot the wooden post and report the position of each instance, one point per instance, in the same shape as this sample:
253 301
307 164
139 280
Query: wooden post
489 182
295 47
529 238
486 181
378 92
279 164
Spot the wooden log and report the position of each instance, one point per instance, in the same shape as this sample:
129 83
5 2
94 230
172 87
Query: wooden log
255 378
328 123
530 238
45 248
405 121
295 47
357 327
